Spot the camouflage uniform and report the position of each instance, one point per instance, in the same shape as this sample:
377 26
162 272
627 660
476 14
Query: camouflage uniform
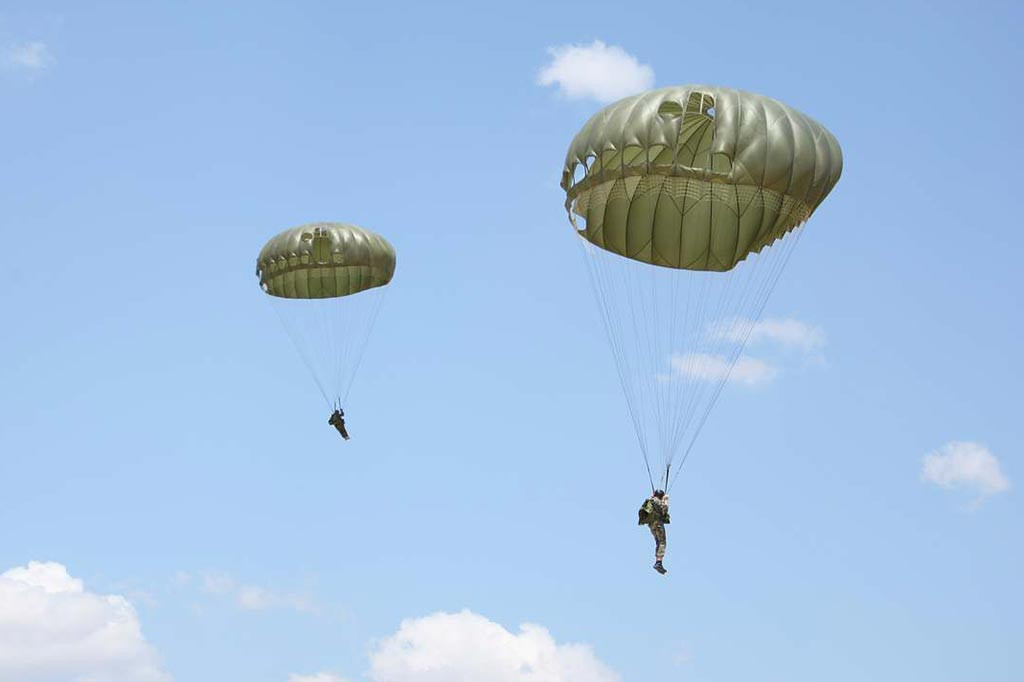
338 422
654 514
658 531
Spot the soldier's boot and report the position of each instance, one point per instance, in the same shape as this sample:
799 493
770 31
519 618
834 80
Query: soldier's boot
659 568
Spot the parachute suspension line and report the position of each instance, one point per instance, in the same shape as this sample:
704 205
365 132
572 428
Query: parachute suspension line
331 335
609 278
366 338
727 301
300 347
322 327
644 368
759 300
753 295
635 305
609 318
671 381
705 324
353 320
612 323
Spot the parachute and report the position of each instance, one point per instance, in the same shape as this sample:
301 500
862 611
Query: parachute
327 283
691 200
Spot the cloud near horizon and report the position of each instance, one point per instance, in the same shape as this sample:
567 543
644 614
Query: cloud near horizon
467 647
596 71
53 630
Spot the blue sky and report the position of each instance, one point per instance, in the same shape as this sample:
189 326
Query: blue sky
161 440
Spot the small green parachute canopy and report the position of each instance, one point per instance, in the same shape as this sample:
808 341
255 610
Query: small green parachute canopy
691 200
325 260
326 282
697 176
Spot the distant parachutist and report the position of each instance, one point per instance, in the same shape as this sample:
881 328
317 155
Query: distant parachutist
326 281
337 420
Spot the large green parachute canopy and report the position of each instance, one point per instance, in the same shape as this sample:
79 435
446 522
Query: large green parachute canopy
326 281
697 177
688 197
324 260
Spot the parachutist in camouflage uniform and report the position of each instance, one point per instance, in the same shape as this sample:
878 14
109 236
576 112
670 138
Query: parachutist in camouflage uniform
337 420
654 514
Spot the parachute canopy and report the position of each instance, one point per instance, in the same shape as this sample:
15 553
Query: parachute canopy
687 197
324 260
326 283
697 177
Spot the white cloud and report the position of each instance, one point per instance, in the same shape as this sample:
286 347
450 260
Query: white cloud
253 597
32 57
466 647
595 71
788 333
319 677
713 367
53 630
965 465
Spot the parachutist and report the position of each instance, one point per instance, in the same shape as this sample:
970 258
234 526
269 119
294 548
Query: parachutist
654 514
337 420
326 281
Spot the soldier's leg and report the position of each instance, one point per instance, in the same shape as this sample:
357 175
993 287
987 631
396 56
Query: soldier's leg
659 537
